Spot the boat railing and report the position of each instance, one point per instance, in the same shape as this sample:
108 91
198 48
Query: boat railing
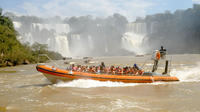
170 65
148 68
45 55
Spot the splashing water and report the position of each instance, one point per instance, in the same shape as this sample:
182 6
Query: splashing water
187 74
82 83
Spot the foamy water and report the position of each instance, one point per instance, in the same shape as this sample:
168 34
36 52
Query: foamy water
30 88
187 74
82 83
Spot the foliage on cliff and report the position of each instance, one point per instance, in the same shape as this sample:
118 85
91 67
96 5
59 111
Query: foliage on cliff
179 31
12 52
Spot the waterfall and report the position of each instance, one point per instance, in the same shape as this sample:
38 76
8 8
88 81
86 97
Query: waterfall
81 45
86 43
91 43
61 45
132 40
54 35
17 24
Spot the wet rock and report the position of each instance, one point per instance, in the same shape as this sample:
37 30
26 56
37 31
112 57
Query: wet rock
26 62
9 63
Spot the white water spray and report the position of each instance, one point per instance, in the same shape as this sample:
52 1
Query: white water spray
81 83
187 74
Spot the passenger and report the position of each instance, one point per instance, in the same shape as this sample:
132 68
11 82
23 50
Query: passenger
74 68
124 70
93 69
102 64
90 69
107 69
120 71
82 69
79 68
155 57
162 52
96 69
139 70
87 69
99 69
134 70
130 70
117 70
113 70
136 67
71 67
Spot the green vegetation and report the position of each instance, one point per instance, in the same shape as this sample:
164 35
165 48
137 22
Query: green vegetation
12 52
8 71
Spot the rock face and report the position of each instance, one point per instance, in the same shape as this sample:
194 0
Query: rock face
26 62
9 63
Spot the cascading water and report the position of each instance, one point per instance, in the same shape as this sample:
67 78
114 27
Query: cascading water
81 45
132 40
62 45
54 35
76 44
90 41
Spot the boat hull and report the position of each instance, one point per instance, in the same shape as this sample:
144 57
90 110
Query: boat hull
55 74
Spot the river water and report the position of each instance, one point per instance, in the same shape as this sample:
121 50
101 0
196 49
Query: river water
27 90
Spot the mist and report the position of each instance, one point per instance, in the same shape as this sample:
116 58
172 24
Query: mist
178 32
74 36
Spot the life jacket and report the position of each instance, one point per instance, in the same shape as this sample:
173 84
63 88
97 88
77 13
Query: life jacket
131 71
120 71
140 72
156 55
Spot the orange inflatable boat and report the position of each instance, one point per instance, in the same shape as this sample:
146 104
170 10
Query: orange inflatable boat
55 74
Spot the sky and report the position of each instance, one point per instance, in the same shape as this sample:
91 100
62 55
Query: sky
97 8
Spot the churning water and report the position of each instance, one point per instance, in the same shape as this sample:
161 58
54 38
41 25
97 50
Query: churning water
27 90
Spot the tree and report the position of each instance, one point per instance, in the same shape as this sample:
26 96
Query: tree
1 11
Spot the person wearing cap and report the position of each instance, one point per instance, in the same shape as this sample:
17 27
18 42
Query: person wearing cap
162 52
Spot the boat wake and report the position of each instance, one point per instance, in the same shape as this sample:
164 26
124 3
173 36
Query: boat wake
87 83
187 74
83 83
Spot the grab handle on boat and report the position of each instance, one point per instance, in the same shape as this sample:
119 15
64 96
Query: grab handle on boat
166 67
